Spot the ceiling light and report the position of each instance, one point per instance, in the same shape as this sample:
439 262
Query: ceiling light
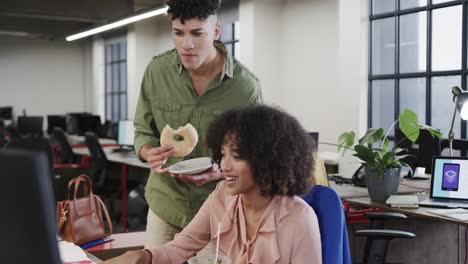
119 23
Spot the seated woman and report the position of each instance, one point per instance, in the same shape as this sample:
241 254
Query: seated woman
266 159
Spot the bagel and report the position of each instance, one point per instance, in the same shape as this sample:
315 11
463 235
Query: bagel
183 147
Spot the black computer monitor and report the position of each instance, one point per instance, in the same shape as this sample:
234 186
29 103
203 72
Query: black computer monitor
315 138
6 112
29 229
30 125
56 121
126 134
422 151
89 123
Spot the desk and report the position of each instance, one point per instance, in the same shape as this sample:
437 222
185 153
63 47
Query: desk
421 212
125 160
122 243
438 239
75 139
346 191
93 258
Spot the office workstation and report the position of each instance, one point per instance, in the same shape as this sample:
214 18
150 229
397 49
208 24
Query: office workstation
336 66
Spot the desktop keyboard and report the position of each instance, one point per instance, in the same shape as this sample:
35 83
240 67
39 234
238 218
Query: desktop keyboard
339 179
122 150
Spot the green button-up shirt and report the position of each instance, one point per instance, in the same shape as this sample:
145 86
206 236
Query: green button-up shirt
167 96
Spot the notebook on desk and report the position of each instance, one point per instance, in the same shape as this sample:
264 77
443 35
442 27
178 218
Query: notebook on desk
449 183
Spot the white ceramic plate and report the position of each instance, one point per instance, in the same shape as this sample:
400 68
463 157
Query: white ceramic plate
191 166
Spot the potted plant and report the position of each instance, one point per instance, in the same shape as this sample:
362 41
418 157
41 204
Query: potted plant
381 163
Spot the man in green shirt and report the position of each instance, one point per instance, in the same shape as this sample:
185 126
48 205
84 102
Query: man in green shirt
192 83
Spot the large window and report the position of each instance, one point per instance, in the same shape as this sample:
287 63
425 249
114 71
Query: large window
116 79
418 51
230 37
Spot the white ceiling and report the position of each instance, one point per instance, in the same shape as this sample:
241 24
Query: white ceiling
59 18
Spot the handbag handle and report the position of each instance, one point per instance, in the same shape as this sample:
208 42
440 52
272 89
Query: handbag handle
87 187
106 213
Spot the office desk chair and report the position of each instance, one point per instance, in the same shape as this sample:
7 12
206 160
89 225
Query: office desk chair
107 187
378 238
2 133
99 161
66 169
34 144
332 222
422 151
65 149
61 173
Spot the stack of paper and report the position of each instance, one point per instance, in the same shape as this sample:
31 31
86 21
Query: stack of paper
71 253
403 201
458 213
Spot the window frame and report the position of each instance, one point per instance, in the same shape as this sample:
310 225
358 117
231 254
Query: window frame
110 90
232 39
428 74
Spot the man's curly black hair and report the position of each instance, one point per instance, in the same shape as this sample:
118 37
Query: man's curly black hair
279 150
188 9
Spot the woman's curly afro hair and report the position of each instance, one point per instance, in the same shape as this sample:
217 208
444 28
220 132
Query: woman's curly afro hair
279 150
188 9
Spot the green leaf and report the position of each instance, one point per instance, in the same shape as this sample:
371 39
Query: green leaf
372 135
365 154
385 144
400 157
388 159
400 150
433 131
346 140
407 165
409 124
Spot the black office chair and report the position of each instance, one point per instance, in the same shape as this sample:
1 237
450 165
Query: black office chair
65 149
11 132
99 162
2 133
107 187
422 151
105 129
378 238
34 144
458 144
113 130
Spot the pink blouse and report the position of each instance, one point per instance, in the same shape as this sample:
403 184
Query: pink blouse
288 232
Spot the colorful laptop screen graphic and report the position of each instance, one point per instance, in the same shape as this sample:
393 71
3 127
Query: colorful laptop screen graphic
450 178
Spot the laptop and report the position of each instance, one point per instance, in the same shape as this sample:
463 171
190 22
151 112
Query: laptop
449 183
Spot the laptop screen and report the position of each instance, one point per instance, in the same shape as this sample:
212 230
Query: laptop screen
450 178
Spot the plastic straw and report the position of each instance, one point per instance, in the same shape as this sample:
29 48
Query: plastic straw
217 244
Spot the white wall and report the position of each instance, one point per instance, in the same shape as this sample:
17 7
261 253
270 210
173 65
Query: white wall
145 40
311 57
260 44
45 77
98 78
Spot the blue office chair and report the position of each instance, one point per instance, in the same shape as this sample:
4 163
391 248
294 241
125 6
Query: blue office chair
332 222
